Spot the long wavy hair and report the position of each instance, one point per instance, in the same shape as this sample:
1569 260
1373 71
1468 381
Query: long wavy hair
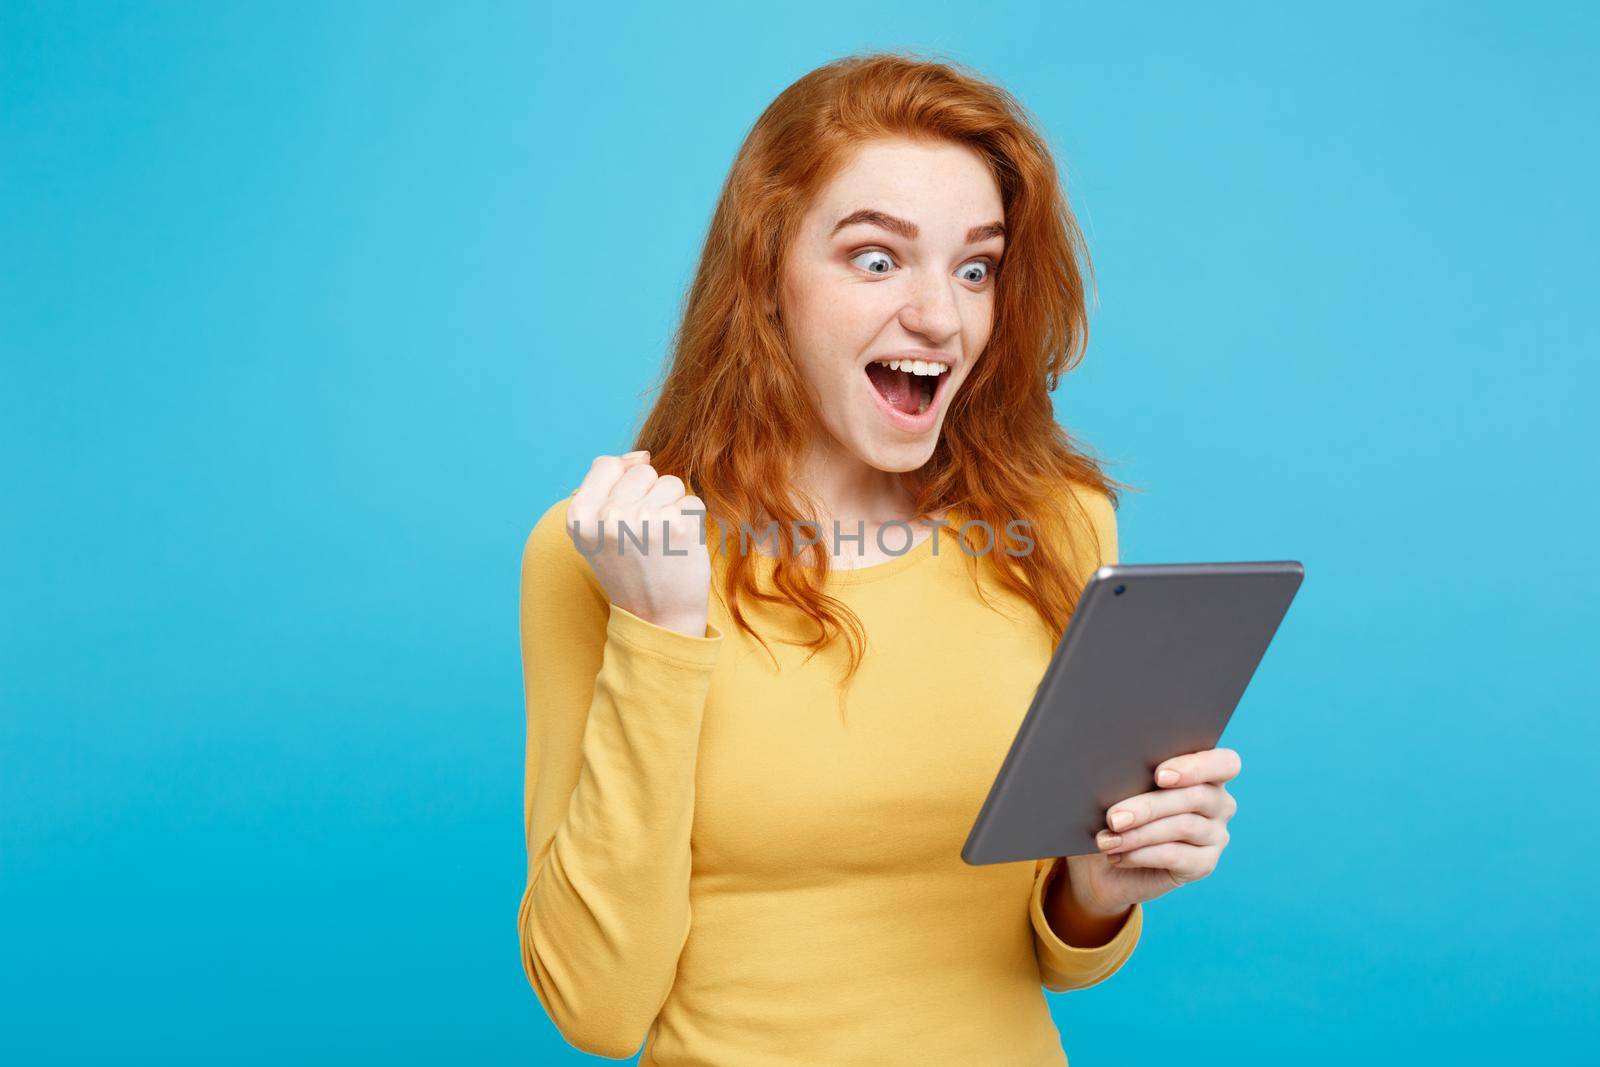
733 416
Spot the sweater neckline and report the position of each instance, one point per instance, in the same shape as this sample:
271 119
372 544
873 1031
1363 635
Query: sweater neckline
892 566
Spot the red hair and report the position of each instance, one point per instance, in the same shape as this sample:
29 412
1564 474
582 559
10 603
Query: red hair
733 416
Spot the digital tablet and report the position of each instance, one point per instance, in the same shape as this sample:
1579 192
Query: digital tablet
1152 664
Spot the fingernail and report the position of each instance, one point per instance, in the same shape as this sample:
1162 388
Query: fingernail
1166 776
1115 857
1121 819
641 452
1111 841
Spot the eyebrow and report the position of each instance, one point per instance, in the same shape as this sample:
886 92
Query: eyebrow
909 230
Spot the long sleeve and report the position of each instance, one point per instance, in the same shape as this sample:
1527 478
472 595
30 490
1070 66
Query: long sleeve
1064 967
614 708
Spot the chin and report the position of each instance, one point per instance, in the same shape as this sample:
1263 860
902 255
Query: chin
899 457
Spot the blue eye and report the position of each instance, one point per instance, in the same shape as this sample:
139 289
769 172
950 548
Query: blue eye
871 252
986 268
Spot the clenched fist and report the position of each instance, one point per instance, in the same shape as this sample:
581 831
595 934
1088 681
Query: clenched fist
658 568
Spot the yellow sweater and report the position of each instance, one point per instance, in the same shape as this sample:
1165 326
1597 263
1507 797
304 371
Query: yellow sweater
723 867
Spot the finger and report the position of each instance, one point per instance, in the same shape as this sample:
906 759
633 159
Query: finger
634 483
603 474
1185 862
692 510
1188 826
656 512
668 489
1205 798
1212 765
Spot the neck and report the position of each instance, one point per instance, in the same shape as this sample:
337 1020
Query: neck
846 489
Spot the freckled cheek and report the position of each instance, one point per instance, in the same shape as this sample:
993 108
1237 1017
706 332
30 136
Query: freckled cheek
845 328
976 327
830 353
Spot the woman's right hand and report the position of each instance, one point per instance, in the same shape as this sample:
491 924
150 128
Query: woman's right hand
671 590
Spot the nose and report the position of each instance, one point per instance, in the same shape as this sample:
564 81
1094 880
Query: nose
932 310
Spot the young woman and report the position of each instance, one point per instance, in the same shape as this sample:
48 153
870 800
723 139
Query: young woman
755 750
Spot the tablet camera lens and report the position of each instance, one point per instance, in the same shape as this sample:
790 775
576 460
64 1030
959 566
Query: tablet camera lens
1118 590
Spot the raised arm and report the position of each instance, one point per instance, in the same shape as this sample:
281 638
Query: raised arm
614 706
1065 964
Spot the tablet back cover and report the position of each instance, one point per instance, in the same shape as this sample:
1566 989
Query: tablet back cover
1139 676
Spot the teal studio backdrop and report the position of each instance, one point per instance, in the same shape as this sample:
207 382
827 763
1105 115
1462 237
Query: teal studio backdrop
309 311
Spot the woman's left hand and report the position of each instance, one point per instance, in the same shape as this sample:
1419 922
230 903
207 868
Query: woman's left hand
1160 840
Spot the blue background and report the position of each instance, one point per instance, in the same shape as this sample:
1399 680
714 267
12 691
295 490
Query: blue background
309 311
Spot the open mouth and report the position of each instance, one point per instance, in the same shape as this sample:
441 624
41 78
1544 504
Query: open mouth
909 386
